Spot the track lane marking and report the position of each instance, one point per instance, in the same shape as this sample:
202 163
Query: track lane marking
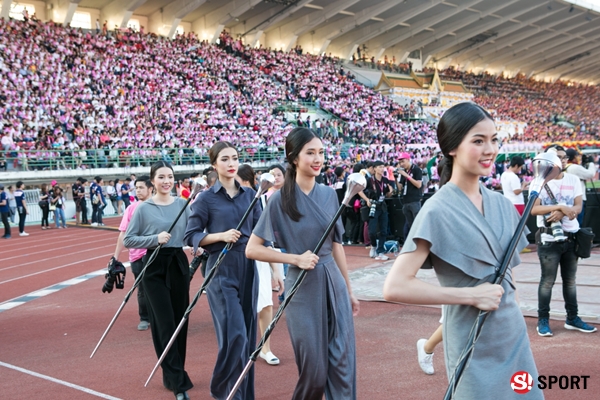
59 381
52 249
59 256
55 268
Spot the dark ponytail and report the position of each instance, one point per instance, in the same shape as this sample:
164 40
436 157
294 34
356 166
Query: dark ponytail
454 125
294 143
445 170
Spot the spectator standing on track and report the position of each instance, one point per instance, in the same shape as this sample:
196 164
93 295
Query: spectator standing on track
98 202
21 207
12 203
378 189
59 202
410 184
512 188
583 172
4 212
143 191
125 189
118 186
44 204
111 192
78 192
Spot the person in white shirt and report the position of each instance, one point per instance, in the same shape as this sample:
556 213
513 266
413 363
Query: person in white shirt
512 186
582 172
558 203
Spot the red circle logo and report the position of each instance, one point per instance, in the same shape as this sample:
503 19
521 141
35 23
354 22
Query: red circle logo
521 382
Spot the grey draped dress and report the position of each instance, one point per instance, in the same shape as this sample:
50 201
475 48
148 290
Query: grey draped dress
466 248
319 317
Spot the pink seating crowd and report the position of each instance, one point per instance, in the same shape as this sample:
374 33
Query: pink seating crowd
130 94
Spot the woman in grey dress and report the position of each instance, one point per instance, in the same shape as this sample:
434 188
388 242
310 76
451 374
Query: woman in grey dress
233 292
166 281
319 317
463 231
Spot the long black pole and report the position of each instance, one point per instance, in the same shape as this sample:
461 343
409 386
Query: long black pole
467 353
206 282
138 279
288 297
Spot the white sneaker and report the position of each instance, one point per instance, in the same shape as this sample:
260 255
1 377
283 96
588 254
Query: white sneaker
425 360
382 257
23 234
373 252
269 358
94 224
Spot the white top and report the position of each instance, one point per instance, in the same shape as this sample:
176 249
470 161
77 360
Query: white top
565 190
510 182
583 174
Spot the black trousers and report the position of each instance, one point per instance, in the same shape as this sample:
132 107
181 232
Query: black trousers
6 223
45 214
136 268
84 212
166 283
22 217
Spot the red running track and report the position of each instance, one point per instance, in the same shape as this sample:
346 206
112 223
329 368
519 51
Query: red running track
54 336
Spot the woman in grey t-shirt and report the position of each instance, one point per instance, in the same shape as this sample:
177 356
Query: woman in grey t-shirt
166 281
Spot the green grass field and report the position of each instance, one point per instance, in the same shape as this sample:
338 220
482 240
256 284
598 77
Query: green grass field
591 185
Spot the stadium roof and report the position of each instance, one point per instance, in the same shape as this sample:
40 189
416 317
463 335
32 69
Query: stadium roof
541 38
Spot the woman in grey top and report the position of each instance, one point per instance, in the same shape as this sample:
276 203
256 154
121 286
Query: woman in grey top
233 292
463 231
166 282
319 317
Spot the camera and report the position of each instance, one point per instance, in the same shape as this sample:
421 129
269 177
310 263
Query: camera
115 276
373 208
557 231
198 262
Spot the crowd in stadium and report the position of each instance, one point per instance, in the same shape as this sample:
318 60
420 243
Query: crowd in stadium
131 98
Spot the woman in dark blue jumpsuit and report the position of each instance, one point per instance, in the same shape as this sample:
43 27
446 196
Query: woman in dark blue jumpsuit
233 292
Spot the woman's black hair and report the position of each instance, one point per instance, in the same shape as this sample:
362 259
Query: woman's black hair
454 125
158 165
246 173
294 143
216 148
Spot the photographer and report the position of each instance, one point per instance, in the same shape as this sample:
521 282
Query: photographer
556 209
378 188
584 172
409 184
